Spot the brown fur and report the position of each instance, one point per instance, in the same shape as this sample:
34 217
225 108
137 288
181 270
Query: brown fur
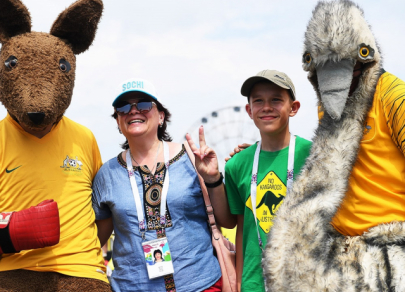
78 24
14 19
36 84
24 280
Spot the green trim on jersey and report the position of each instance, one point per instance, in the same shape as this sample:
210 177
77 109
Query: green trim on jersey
272 179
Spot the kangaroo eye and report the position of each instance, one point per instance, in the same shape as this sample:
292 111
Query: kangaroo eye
307 58
64 65
11 62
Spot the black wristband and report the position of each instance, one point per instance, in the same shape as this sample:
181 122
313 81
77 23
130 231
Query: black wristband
5 241
215 184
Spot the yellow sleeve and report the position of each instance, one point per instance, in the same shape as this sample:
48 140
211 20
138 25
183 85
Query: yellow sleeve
392 97
97 162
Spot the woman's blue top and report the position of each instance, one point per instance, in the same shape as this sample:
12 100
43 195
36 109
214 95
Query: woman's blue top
195 266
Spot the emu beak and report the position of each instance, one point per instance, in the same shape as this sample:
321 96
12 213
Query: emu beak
334 79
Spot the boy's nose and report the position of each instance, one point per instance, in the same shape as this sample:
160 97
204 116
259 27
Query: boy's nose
267 106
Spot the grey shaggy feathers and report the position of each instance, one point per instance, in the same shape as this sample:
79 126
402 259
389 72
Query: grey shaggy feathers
304 252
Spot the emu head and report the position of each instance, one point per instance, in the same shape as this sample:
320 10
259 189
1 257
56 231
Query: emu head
339 46
37 70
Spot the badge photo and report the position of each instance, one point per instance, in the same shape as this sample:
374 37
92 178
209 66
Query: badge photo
158 258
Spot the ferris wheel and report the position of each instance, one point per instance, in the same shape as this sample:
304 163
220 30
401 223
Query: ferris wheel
224 129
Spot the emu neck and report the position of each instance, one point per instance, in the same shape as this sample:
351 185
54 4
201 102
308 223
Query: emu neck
334 151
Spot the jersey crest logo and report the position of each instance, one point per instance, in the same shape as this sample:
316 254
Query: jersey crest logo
270 194
70 164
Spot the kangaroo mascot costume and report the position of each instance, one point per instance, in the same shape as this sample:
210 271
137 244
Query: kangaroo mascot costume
341 227
46 160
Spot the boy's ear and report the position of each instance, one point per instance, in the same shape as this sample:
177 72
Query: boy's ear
78 24
14 19
295 106
249 110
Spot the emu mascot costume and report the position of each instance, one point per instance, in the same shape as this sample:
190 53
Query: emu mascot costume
341 226
46 160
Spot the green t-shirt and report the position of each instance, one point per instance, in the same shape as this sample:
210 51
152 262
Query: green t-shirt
271 189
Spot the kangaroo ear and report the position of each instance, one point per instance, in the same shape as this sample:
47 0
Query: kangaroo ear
78 24
14 19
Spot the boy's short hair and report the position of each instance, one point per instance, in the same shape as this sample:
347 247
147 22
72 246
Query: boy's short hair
279 78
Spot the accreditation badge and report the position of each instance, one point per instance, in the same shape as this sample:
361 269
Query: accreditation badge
158 258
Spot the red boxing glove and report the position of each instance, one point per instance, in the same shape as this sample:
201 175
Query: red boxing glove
35 227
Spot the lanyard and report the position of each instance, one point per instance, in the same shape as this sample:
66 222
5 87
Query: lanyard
253 183
137 198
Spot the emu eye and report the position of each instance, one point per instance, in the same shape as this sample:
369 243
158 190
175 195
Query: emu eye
64 65
307 58
365 52
11 62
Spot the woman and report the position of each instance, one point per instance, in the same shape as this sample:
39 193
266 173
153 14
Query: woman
157 254
136 187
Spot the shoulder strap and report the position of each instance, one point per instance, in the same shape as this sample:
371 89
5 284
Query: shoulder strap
208 206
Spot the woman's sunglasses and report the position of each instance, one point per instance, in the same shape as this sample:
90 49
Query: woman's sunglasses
143 107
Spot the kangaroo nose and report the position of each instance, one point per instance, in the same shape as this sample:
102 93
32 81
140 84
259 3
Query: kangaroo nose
36 118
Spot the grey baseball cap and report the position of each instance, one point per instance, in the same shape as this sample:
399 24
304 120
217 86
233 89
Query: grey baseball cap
279 78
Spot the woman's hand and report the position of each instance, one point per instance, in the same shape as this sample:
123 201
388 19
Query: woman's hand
206 161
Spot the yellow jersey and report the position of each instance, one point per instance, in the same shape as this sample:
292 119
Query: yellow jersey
60 166
376 192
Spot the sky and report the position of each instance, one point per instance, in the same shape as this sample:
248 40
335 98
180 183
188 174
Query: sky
198 54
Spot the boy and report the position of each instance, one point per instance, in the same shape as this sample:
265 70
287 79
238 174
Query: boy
271 102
